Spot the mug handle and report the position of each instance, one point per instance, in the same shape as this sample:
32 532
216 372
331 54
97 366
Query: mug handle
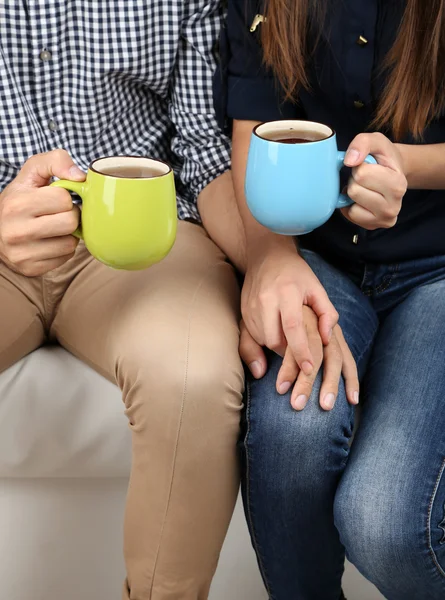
343 199
79 188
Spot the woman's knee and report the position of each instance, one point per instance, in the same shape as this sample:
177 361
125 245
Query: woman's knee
304 449
382 519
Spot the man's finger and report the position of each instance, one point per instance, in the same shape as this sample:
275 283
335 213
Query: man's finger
349 370
50 201
252 353
39 169
61 224
332 369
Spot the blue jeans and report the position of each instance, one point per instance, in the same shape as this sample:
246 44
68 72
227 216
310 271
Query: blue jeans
309 495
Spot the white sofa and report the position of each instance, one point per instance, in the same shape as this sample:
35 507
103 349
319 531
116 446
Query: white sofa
64 462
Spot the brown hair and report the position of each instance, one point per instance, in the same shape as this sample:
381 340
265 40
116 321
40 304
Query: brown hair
415 89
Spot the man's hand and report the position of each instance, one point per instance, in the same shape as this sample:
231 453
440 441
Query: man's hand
37 221
278 284
335 357
377 190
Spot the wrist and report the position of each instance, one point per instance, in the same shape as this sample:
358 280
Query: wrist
406 157
269 244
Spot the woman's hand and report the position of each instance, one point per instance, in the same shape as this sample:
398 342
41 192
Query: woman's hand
278 284
377 190
335 357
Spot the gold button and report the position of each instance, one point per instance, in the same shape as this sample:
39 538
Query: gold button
359 104
361 40
355 239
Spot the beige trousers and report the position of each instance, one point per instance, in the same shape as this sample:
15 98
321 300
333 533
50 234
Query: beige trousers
168 337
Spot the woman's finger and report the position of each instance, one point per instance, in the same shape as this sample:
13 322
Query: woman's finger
377 178
272 334
362 217
372 201
319 302
252 353
288 373
305 382
296 335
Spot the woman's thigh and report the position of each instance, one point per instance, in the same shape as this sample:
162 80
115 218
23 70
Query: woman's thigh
293 462
391 502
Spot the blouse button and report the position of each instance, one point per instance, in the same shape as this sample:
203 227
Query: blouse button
361 40
359 104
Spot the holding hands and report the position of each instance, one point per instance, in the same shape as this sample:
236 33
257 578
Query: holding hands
284 306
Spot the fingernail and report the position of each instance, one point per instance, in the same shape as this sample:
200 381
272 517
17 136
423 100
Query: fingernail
300 402
255 369
307 368
76 173
284 387
329 401
352 156
356 398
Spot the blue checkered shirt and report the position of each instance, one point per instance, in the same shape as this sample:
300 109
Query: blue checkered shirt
107 77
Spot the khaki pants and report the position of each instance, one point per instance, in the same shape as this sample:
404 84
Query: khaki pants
168 337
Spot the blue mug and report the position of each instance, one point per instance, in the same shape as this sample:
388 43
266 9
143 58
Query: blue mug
294 188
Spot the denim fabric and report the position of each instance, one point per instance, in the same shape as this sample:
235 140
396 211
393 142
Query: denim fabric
309 494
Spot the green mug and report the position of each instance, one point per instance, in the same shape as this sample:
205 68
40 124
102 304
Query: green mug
129 214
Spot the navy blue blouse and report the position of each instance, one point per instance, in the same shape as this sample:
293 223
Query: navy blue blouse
346 80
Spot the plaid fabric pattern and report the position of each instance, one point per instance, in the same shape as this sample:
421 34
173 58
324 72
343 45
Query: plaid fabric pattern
107 77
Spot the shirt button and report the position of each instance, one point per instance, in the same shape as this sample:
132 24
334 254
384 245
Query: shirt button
355 239
359 104
45 55
52 125
361 40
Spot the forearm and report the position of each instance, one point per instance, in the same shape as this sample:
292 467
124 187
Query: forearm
222 221
424 165
258 238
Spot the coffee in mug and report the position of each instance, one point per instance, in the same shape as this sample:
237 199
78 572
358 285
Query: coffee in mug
295 136
129 214
129 172
293 176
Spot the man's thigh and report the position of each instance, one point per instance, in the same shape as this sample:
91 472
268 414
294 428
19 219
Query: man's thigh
187 304
21 325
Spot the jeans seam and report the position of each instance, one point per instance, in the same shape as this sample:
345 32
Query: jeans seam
385 285
248 498
429 527
362 354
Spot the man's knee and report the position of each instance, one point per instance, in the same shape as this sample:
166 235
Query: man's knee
171 377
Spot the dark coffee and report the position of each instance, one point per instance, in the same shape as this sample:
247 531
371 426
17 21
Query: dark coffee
291 136
132 172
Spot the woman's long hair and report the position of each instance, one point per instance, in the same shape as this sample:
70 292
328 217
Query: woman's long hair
415 67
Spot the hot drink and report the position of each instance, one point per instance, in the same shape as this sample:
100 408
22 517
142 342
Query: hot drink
292 136
131 172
